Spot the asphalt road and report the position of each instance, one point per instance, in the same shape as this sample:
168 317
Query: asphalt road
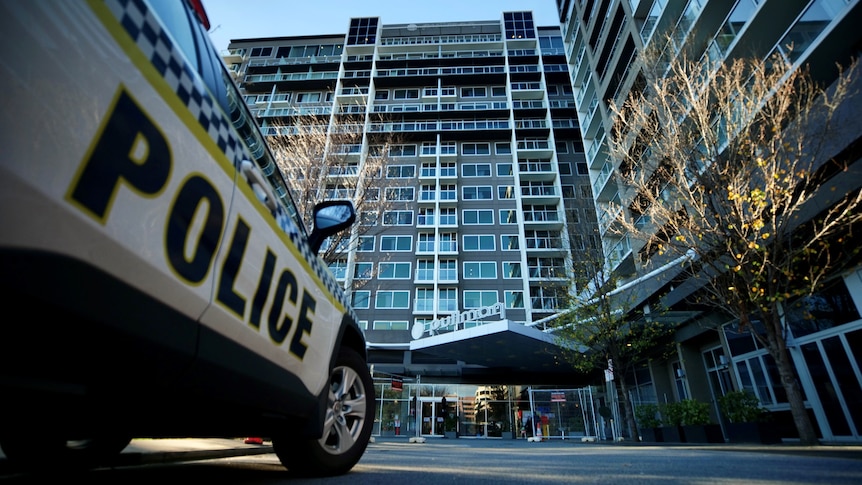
506 462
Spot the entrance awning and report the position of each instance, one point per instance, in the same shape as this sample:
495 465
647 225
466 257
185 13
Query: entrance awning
502 344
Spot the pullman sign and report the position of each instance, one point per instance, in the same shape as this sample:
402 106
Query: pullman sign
455 322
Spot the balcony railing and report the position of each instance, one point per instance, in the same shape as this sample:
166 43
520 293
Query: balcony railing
293 76
441 39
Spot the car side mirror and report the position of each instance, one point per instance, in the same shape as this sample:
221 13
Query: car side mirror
330 217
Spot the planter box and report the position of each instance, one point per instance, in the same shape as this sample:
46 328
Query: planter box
702 433
652 435
764 433
671 434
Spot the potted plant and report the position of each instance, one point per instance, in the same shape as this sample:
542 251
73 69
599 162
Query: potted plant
695 423
747 421
648 422
671 428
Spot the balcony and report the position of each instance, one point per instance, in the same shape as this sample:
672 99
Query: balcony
536 170
353 94
292 76
618 252
535 148
540 193
441 71
527 90
542 218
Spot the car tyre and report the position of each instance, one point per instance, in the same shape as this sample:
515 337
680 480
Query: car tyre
347 425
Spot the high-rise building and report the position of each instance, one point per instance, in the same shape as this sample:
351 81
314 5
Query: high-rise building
605 40
487 186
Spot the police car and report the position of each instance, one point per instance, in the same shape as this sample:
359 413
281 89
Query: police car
156 278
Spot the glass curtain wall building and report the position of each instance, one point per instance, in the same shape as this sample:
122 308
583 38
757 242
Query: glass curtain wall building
603 41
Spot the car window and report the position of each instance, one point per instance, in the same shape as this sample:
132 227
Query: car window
174 16
192 39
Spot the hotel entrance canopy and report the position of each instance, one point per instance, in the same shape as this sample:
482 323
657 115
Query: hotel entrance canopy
504 349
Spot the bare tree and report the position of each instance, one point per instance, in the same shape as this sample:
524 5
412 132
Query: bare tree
327 157
736 168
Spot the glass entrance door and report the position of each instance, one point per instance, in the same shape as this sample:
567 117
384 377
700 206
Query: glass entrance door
431 417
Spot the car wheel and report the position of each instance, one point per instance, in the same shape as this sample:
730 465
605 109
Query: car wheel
37 450
346 429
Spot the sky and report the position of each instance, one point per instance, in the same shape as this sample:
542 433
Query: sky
234 19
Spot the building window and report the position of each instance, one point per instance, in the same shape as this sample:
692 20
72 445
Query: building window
476 149
508 216
396 243
400 171
477 216
502 148
511 270
392 299
402 151
363 271
471 92
261 51
424 300
477 192
398 218
448 270
424 270
498 91
519 25
509 242
368 218
582 167
390 325
448 300
365 244
425 217
479 298
447 169
399 194
360 299
393 271
479 242
339 268
505 192
406 94
425 244
476 170
381 94
363 31
448 192
546 267
448 216
505 170
514 299
448 242
480 270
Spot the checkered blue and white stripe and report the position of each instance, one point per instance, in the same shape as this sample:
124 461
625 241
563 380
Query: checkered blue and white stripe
143 27
147 33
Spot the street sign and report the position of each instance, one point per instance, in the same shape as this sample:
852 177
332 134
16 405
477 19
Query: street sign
397 383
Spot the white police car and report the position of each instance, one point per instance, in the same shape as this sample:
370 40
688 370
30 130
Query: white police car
156 279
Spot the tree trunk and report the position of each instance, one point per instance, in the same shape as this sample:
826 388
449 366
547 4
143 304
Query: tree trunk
801 420
776 345
628 411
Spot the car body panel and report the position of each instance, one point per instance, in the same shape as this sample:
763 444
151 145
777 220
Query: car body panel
128 211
